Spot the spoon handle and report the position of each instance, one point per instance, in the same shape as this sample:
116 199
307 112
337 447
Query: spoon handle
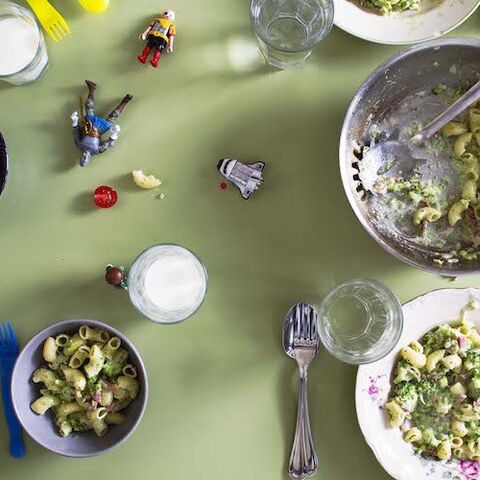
303 458
469 97
311 459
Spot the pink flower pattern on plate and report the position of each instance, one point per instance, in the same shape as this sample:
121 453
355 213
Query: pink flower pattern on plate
470 469
374 391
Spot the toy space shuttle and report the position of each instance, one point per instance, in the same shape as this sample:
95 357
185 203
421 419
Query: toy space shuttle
247 177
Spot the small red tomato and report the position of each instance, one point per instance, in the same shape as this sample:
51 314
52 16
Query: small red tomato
105 197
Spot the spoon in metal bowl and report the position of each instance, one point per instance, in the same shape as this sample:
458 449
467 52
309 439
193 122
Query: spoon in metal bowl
401 157
301 342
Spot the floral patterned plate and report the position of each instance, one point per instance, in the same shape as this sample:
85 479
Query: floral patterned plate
3 163
433 19
373 386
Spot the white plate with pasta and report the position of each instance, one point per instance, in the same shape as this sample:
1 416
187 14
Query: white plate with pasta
427 20
374 388
79 388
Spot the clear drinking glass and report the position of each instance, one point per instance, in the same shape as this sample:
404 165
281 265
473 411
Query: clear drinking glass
167 283
23 54
360 321
288 30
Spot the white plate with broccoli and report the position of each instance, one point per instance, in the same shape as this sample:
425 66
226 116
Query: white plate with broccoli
401 21
374 389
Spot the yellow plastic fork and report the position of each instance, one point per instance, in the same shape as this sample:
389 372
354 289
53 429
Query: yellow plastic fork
51 20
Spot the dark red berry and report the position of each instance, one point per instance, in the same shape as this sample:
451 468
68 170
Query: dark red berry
114 276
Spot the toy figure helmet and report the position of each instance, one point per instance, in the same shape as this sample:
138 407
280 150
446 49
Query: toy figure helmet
170 14
84 161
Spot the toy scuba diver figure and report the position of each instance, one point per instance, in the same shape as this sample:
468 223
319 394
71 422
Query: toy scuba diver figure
159 34
89 128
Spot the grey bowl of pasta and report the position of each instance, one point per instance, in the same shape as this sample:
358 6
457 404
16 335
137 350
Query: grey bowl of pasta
79 388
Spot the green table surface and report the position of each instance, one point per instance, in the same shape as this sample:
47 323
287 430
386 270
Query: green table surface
222 392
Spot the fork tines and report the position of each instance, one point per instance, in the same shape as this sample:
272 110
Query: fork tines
8 340
305 317
59 30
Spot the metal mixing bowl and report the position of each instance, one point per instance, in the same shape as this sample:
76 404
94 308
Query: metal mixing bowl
414 70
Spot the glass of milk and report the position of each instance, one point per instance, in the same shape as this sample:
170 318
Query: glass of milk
167 283
23 54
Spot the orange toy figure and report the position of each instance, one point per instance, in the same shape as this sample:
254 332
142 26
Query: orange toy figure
160 34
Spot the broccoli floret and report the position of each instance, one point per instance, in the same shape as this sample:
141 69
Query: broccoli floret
439 89
425 390
474 428
472 359
436 339
443 403
66 394
473 388
114 366
406 391
62 391
111 370
76 422
405 372
92 386
407 396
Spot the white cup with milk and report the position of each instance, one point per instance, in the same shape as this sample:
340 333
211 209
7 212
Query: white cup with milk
23 54
167 283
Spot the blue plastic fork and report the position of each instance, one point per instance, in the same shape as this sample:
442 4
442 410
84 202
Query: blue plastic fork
8 355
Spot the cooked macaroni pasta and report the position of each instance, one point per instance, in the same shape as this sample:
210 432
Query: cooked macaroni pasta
464 133
386 7
435 398
86 382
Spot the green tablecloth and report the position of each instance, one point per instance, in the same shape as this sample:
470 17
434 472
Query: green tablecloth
222 392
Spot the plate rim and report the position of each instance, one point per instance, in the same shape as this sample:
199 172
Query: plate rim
427 38
417 298
4 163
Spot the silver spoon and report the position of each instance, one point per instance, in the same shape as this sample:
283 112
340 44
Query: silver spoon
301 342
400 157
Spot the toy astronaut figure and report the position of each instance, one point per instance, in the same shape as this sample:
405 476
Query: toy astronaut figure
160 34
88 129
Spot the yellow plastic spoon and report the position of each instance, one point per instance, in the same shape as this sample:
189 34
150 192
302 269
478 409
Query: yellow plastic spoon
95 6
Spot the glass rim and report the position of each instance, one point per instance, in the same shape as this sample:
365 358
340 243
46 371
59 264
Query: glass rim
138 258
31 16
311 45
344 355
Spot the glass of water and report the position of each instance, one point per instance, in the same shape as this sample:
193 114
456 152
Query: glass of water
288 30
360 321
23 54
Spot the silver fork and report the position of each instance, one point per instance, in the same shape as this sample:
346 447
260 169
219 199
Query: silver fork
8 356
301 342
